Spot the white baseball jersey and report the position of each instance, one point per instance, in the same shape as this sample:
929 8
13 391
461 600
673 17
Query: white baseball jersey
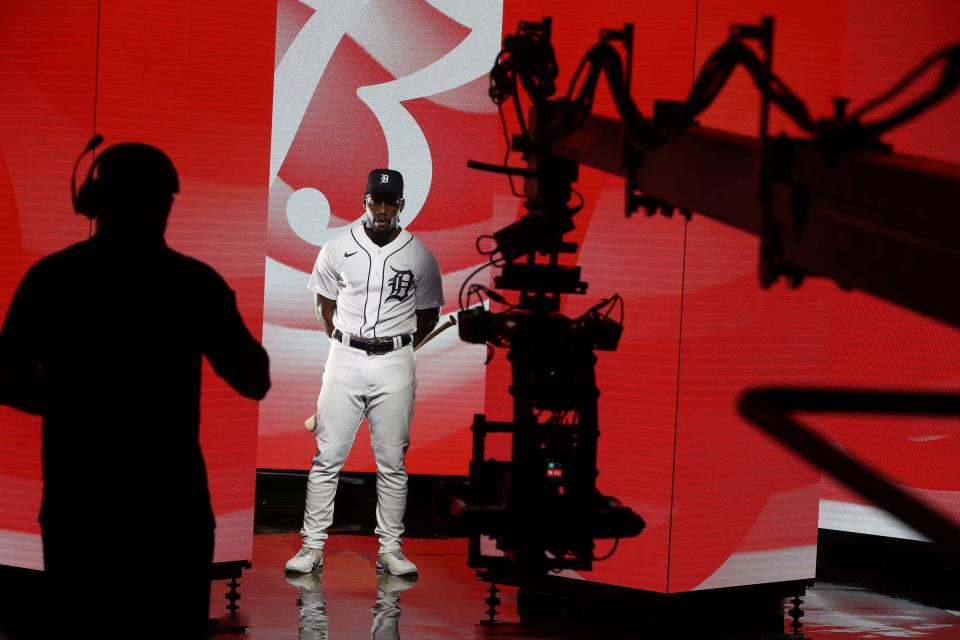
377 289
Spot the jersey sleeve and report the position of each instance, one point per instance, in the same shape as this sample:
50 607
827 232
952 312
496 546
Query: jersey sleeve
429 286
324 278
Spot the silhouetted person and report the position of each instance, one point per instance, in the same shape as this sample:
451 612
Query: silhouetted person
105 340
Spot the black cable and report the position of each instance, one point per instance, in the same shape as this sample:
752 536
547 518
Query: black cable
576 76
481 251
467 280
537 64
716 72
948 83
950 54
845 132
492 263
471 291
506 156
96 94
603 59
519 109
501 80
529 57
616 543
622 308
503 83
532 59
478 289
493 295
611 302
579 207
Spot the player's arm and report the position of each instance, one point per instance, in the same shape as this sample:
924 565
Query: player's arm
426 321
429 294
325 307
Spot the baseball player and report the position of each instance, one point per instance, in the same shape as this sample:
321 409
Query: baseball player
377 294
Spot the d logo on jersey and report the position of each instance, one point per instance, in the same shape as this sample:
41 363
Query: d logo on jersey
400 284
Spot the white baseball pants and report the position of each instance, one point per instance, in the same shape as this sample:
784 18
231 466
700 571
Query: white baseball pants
382 387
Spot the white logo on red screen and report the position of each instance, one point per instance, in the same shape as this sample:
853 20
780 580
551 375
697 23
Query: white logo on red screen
319 31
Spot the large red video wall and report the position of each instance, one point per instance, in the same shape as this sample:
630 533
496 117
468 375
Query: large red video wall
275 111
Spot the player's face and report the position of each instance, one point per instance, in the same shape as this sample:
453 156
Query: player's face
382 211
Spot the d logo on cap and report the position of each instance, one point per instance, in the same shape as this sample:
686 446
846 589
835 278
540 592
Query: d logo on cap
385 182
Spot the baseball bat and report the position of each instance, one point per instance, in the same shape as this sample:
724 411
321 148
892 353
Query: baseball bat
311 423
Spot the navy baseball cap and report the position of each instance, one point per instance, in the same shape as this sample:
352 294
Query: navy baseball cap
385 182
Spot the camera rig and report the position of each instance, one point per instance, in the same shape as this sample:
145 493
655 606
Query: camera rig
541 508
837 204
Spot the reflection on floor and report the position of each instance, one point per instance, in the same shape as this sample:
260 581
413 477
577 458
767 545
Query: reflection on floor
348 600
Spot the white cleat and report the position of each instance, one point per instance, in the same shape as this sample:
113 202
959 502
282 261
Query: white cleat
305 561
396 563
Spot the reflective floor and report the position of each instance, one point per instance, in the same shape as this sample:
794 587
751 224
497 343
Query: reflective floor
347 600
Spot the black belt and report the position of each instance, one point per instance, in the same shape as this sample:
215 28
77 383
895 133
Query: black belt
372 345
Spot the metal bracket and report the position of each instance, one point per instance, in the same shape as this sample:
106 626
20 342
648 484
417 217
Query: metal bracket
625 36
771 266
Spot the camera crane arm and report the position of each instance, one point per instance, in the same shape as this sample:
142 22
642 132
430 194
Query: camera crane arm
885 223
